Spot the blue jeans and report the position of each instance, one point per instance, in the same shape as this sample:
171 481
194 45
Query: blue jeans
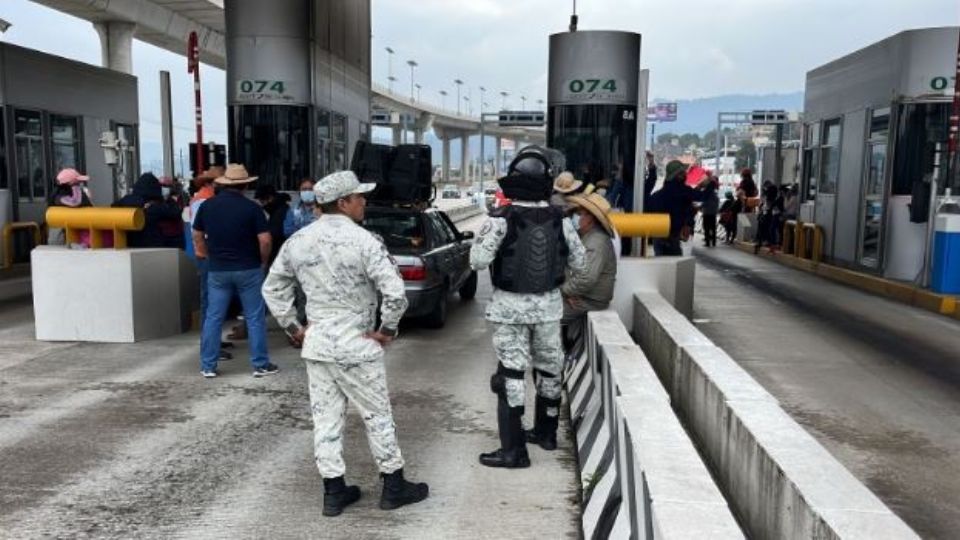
202 271
221 287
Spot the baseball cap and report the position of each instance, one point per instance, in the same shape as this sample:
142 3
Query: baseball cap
339 185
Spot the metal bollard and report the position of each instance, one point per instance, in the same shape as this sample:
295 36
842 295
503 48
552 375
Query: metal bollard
97 220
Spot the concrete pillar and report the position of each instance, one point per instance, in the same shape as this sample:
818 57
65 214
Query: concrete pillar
418 136
498 158
116 45
465 157
396 135
445 166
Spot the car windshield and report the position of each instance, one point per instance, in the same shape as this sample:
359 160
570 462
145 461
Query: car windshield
397 230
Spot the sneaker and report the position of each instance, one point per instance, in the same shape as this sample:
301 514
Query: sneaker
269 369
224 355
210 374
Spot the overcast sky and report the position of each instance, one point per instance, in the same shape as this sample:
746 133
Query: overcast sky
694 48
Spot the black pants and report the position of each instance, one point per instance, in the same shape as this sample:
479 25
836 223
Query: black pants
710 230
667 247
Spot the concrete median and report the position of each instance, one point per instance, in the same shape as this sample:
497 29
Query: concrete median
780 481
643 477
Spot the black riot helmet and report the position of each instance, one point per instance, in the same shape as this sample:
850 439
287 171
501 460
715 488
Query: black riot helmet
531 173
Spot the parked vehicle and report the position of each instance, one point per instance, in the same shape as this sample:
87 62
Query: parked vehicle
433 256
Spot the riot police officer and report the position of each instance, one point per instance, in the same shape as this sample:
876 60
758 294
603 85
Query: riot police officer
529 246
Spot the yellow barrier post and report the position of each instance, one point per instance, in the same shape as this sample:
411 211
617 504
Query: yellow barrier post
641 225
787 242
97 221
8 230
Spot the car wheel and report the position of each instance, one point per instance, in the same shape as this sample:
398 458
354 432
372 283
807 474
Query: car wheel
469 288
437 318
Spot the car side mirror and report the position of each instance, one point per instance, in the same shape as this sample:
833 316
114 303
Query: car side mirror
467 235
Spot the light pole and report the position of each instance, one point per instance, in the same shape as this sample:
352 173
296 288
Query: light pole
390 77
482 102
443 99
540 103
459 83
503 102
523 101
418 91
413 65
469 105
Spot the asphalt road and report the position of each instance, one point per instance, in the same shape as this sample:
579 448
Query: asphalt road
125 441
876 382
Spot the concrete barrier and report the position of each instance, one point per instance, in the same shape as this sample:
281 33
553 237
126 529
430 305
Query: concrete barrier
642 476
464 212
111 296
780 481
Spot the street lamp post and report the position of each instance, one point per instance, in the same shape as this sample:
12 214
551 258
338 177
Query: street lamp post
482 102
503 102
413 64
390 77
469 105
418 91
523 101
459 83
443 99
540 103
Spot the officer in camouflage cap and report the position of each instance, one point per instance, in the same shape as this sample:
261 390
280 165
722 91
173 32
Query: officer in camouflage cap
341 268
529 246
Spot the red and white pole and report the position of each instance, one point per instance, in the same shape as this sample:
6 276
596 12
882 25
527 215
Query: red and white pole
193 66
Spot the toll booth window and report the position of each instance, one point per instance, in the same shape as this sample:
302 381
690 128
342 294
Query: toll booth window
66 142
323 142
273 143
920 127
830 157
28 140
598 141
338 158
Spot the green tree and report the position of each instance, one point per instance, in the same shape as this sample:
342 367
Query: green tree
689 139
665 138
746 155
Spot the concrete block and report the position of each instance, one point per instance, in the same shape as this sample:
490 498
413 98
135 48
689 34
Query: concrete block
671 277
632 372
608 328
113 296
661 332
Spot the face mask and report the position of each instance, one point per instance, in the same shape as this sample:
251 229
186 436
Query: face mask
308 197
165 191
575 219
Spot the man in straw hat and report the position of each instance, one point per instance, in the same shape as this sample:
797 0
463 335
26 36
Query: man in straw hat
591 290
529 247
231 233
342 268
564 186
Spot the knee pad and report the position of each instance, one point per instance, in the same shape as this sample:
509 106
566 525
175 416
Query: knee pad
498 382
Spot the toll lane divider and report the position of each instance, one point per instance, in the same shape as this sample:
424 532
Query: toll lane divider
641 473
779 480
462 213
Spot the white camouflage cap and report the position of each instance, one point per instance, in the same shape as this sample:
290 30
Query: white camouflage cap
338 185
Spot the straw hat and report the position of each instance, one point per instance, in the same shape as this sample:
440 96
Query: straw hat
566 183
235 174
597 205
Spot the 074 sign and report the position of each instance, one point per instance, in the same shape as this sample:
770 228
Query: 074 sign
260 87
590 86
265 91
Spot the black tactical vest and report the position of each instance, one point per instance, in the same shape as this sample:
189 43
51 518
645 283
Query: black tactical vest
532 258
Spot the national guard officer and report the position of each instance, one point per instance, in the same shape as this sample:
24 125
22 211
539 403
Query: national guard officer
530 246
341 267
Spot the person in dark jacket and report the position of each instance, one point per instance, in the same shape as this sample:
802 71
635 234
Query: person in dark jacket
276 206
710 207
675 198
729 211
650 180
768 223
147 194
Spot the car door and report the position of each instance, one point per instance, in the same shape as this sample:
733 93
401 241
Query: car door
443 247
461 250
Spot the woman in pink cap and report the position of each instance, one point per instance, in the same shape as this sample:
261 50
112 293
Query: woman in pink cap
70 191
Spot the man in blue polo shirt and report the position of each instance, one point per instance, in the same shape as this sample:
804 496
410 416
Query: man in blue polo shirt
231 232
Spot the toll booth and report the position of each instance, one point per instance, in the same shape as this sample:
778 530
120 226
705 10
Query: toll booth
298 86
593 103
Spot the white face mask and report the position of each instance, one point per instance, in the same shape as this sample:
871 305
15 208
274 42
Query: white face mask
575 219
165 191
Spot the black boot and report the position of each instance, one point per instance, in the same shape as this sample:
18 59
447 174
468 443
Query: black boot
337 495
544 430
512 453
398 492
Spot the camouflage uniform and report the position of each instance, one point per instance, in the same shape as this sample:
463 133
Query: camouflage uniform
341 267
527 326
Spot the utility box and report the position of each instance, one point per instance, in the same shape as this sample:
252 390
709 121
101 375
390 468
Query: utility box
946 255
